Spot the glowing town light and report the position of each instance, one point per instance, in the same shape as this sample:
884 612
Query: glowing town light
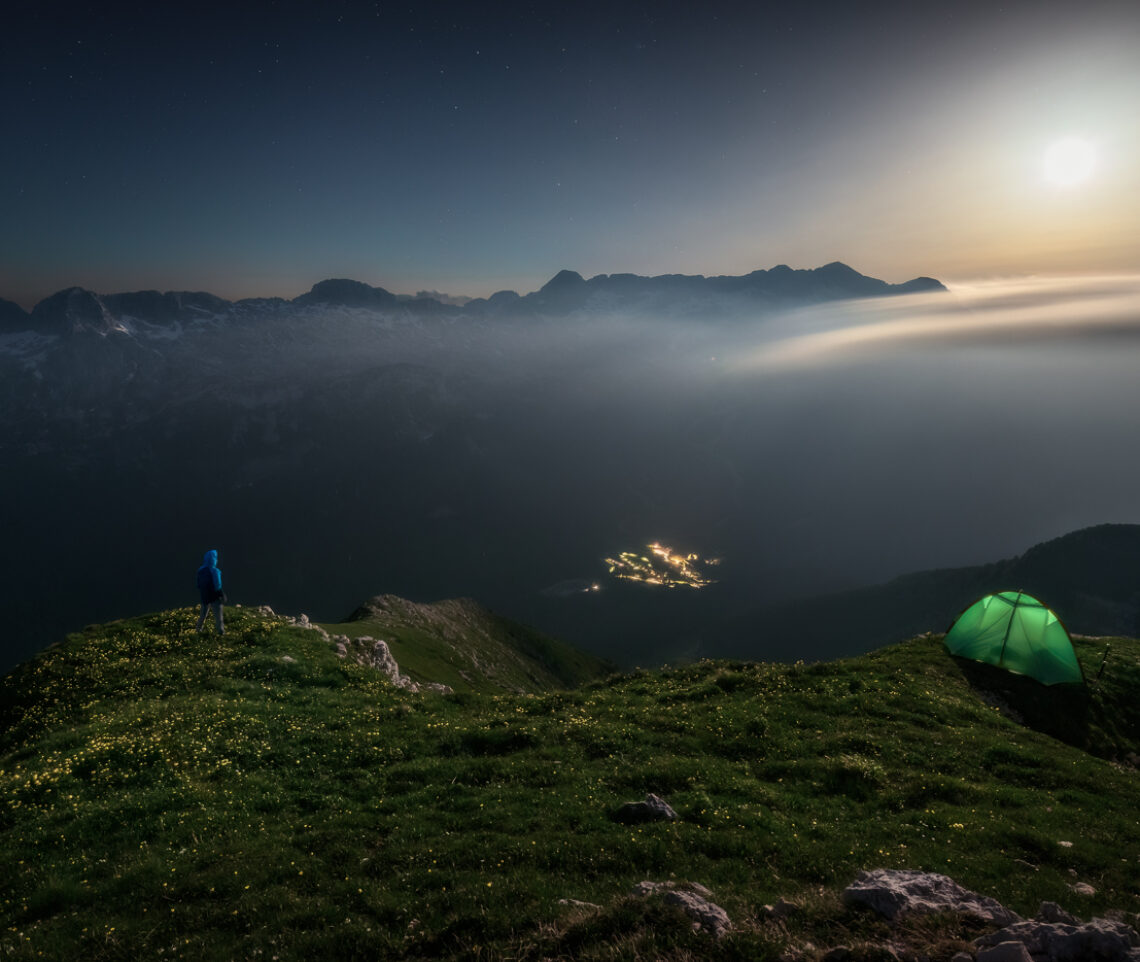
663 568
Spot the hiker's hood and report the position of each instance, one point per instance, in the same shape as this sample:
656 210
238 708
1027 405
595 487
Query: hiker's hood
210 558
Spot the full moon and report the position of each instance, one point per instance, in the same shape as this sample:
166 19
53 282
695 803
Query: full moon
1069 161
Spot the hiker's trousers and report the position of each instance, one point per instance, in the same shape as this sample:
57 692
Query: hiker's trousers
217 606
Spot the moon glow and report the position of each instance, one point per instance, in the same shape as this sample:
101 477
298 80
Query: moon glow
1069 161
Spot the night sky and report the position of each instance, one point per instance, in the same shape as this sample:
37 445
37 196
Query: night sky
470 148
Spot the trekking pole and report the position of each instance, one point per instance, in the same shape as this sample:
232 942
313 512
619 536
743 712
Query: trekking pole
1100 672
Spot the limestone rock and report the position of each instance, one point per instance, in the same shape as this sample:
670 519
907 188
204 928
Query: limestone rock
1083 888
694 900
576 904
707 916
1052 912
302 621
1100 939
645 889
374 653
895 892
653 809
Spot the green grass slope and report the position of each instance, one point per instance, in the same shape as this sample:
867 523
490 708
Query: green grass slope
462 644
166 795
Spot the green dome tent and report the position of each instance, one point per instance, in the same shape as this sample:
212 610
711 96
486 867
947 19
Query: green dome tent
1017 632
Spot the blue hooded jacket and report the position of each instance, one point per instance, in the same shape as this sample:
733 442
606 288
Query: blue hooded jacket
210 577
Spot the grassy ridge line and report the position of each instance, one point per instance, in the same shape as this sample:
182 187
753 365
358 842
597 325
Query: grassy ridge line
461 644
168 795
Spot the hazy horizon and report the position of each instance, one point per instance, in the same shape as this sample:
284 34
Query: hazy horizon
449 297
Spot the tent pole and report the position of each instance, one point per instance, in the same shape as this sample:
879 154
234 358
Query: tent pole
1009 626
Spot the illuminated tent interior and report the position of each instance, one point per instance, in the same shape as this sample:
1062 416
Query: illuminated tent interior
1015 631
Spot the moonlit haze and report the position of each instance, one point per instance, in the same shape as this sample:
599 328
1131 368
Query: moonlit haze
553 461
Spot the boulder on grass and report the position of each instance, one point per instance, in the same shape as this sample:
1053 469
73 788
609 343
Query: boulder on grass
896 892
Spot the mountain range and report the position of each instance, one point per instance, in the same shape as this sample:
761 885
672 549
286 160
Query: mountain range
76 310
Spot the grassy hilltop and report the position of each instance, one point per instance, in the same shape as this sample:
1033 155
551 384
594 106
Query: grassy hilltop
165 795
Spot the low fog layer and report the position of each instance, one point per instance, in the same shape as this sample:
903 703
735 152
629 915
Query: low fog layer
847 443
333 457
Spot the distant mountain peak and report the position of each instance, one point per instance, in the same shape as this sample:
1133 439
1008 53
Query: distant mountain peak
347 293
72 311
12 317
838 268
563 280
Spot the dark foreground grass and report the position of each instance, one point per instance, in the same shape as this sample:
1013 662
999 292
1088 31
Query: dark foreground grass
166 795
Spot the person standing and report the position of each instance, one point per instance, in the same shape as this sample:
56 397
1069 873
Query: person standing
210 590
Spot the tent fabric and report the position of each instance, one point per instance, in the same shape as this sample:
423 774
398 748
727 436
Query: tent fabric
1015 631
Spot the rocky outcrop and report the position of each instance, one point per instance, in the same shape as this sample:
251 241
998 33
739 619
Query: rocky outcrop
371 652
483 648
374 653
1052 912
1101 939
1054 936
896 892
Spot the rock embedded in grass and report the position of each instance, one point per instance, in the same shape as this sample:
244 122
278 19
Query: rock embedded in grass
578 904
653 809
896 892
691 898
1101 939
374 653
707 916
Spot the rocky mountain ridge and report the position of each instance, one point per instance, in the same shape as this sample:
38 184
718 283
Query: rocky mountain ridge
460 644
77 310
455 644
